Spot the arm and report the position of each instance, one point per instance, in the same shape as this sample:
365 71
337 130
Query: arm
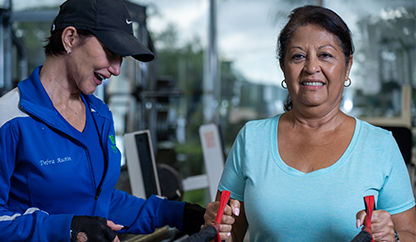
23 224
240 226
142 216
34 225
405 225
383 225
395 197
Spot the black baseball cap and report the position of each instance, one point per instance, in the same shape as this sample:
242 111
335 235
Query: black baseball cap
108 20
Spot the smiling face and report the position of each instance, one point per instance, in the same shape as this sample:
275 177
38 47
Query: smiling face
90 63
315 69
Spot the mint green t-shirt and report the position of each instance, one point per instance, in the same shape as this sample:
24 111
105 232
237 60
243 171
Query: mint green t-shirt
284 204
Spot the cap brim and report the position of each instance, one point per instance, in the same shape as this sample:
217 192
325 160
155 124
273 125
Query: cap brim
124 44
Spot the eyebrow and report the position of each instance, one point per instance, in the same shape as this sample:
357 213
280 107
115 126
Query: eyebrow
295 47
320 47
328 45
108 52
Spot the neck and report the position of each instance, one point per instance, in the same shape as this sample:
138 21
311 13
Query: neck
54 78
328 120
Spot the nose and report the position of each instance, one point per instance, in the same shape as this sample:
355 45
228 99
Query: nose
115 65
312 65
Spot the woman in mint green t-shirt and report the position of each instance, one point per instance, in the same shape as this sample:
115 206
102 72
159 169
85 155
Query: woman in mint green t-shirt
302 175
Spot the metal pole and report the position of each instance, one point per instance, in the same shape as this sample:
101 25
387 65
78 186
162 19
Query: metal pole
210 80
2 84
5 47
319 2
8 43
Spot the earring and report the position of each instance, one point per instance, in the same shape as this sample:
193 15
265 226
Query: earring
283 83
349 82
68 52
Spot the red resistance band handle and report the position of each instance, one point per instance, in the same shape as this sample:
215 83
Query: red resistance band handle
369 207
225 196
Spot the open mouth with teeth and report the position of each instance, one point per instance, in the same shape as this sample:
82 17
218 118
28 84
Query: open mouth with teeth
315 84
99 78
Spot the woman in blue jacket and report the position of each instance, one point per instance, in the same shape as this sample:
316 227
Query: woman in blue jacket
59 162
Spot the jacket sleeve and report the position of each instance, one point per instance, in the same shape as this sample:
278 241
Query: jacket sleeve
30 224
141 216
33 226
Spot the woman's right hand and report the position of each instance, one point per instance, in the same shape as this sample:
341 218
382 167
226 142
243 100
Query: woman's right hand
93 229
82 236
227 219
115 227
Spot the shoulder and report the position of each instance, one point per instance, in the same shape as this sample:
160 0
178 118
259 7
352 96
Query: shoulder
377 144
9 106
259 130
265 124
10 97
371 131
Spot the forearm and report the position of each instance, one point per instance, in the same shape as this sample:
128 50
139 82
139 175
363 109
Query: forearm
35 225
142 216
193 218
405 225
406 236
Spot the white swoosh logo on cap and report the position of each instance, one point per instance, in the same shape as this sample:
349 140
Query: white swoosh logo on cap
129 21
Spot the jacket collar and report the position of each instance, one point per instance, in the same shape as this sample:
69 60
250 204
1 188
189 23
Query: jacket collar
35 100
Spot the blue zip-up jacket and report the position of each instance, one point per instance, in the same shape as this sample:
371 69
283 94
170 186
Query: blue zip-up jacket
46 175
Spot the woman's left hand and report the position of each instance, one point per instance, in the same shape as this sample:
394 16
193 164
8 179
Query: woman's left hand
381 224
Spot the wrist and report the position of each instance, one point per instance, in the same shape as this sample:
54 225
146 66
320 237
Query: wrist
193 218
397 239
74 234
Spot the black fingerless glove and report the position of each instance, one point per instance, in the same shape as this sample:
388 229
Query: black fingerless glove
363 236
95 227
207 234
193 218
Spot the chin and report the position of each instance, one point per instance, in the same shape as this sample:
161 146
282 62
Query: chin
89 92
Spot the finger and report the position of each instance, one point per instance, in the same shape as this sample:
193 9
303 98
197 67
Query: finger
227 219
116 239
211 213
224 236
360 218
108 232
82 237
108 235
212 208
227 210
382 225
235 206
381 216
113 226
225 228
232 208
383 236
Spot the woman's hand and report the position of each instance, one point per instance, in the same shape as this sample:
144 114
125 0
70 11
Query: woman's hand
227 218
114 227
381 224
93 228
